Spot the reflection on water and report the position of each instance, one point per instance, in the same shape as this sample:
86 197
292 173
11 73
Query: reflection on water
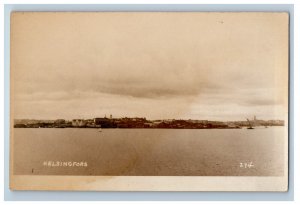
149 152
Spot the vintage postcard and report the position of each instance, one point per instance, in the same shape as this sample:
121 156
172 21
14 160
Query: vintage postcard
149 101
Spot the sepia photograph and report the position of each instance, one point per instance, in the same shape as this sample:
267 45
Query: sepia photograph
149 101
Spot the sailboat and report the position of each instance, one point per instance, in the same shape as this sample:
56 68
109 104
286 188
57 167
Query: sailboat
100 129
250 126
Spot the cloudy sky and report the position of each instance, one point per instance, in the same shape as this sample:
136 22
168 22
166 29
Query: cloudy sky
218 66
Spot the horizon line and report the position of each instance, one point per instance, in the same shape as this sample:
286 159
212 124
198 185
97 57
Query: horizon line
147 119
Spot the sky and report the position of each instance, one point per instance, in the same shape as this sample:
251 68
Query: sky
172 65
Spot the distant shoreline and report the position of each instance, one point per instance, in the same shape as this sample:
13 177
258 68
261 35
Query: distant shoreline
143 123
130 128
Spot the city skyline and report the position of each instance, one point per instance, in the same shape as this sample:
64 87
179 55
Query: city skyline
143 122
163 65
144 117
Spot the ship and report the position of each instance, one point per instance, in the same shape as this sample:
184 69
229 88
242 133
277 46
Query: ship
250 125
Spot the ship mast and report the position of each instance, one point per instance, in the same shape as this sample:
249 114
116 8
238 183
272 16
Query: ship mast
250 126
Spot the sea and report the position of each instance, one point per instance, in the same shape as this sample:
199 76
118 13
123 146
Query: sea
149 152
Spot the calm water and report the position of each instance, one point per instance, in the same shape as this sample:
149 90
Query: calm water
150 152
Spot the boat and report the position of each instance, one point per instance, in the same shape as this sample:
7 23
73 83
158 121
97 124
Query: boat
250 126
